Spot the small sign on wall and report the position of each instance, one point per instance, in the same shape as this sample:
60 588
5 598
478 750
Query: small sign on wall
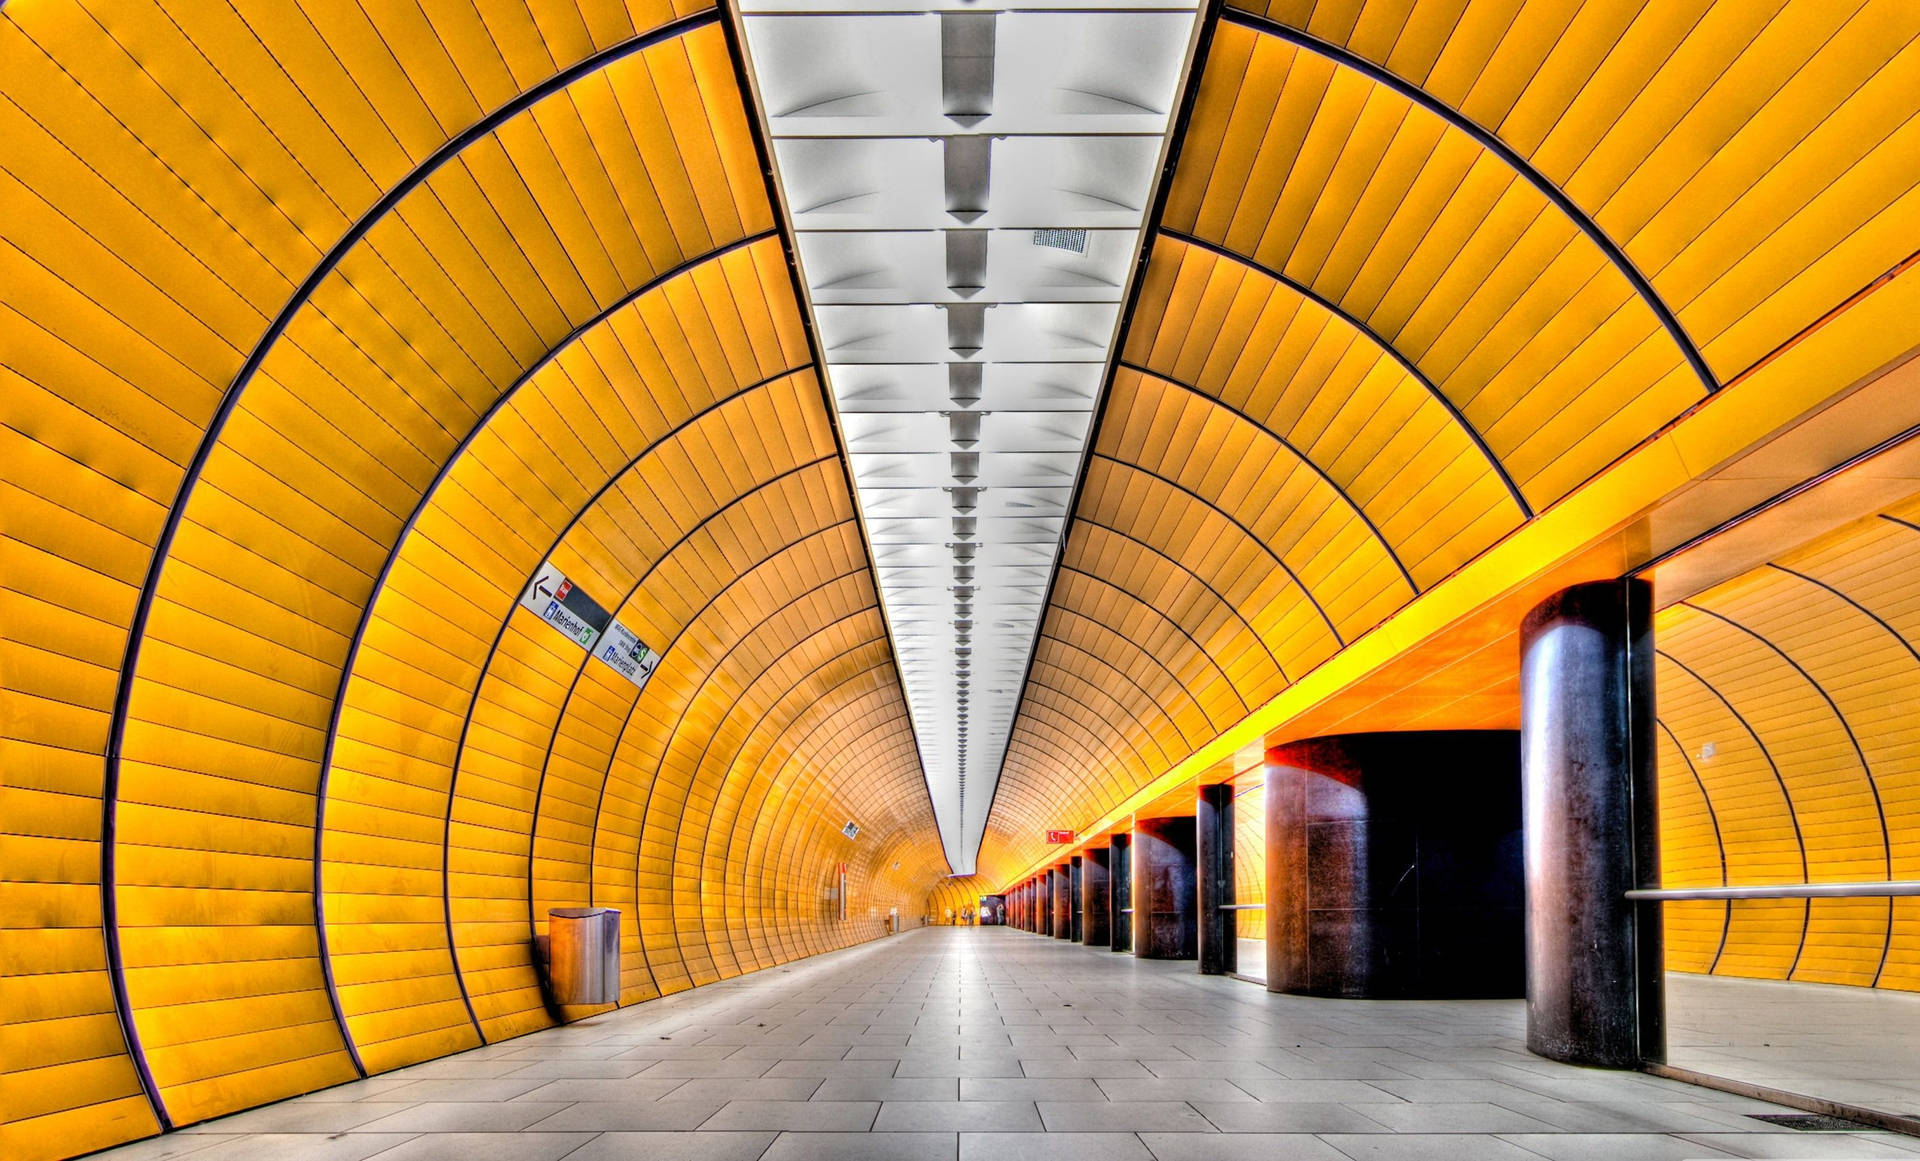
560 603
850 830
1059 836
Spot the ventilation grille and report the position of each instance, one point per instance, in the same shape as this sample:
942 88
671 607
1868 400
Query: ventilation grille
1074 240
1812 1122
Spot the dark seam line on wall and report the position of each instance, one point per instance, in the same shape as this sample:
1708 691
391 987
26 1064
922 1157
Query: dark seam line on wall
1493 144
1162 186
1208 585
1719 842
427 497
1174 682
733 823
1179 628
1793 814
1902 523
1866 769
1276 437
1092 716
486 669
1367 331
606 771
706 749
848 680
667 749
1230 518
1110 667
776 198
646 800
813 771
684 803
162 549
566 703
733 826
1048 685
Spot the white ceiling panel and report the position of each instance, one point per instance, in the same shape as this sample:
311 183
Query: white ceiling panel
967 186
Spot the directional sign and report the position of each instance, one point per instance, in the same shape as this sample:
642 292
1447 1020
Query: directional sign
561 603
1059 836
621 648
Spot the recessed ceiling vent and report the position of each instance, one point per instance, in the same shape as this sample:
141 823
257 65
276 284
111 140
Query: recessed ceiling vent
1074 240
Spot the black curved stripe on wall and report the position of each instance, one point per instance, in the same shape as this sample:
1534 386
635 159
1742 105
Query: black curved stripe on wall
1493 144
486 669
163 546
1393 352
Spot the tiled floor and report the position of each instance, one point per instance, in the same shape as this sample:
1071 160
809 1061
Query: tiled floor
1859 1046
995 1045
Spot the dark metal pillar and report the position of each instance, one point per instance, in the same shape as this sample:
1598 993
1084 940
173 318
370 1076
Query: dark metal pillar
1213 837
1044 892
1594 983
1096 928
1120 891
1164 905
1062 902
1076 876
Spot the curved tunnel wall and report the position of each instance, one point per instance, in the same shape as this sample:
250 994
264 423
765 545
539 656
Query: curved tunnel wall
328 331
1422 270
1790 753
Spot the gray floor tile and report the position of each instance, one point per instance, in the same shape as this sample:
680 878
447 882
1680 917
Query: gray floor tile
629 1116
762 1088
674 1147
1052 1147
1453 1117
1240 1147
301 1117
486 1147
833 1069
1420 1147
299 1147
1611 1146
729 1066
463 1117
959 1116
913 1088
631 1089
1132 1117
863 1147
1291 1117
1023 1089
1171 1090
797 1116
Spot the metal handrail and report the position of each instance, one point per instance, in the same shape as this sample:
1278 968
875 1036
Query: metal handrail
1241 907
1878 890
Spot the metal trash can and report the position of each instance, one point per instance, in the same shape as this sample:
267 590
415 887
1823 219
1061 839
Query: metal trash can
583 955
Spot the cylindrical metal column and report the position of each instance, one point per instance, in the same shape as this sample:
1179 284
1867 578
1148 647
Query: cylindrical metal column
1075 876
1062 902
1120 891
1164 906
1213 838
1594 984
1095 925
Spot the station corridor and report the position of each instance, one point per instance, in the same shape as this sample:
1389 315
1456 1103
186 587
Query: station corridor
995 1045
955 578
